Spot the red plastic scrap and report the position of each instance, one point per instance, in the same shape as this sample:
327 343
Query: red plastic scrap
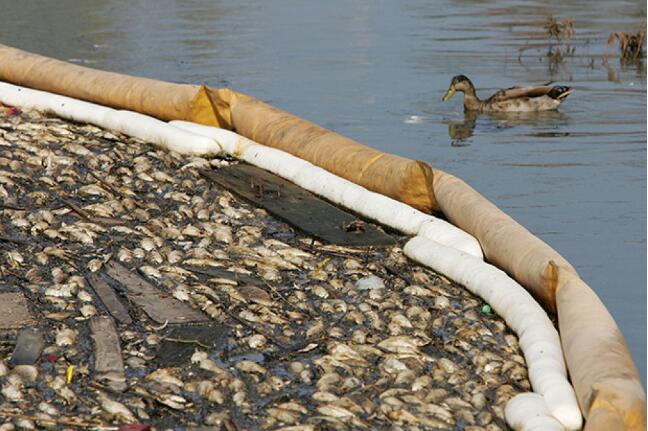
8 110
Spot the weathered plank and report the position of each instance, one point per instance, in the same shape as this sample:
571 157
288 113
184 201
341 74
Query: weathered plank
159 306
108 362
297 206
14 311
109 299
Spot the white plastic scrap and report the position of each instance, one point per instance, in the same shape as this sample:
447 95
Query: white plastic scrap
370 282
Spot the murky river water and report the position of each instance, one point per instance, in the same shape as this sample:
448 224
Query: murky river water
376 71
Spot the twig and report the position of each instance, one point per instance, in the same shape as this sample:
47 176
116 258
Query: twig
106 183
395 273
85 216
5 206
183 341
288 303
76 209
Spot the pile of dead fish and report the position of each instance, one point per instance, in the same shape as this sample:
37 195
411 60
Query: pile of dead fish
137 293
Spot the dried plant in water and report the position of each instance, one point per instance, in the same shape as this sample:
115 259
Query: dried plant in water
630 44
559 29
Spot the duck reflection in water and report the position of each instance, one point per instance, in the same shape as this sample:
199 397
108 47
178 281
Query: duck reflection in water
542 124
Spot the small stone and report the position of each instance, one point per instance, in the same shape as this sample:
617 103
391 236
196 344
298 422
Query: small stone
28 347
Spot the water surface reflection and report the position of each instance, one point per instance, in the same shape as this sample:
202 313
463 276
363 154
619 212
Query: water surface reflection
460 131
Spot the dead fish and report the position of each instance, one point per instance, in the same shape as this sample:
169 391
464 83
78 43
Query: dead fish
15 259
77 149
181 293
12 390
93 190
148 244
124 255
336 412
162 177
88 310
255 294
66 336
400 344
27 373
151 272
256 341
114 409
247 366
95 265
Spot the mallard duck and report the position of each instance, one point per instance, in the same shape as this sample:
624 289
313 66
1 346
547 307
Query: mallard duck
514 99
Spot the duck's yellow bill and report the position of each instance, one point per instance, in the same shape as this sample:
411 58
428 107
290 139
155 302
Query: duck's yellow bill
449 94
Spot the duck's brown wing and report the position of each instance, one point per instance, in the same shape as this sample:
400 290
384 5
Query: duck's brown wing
520 92
554 91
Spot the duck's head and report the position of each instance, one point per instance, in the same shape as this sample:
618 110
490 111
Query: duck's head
458 83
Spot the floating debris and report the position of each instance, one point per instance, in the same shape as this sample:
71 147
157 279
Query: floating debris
224 316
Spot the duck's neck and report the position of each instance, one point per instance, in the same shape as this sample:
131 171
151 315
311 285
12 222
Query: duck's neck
471 101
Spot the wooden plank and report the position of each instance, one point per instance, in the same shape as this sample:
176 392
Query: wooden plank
109 299
108 362
14 311
297 206
159 306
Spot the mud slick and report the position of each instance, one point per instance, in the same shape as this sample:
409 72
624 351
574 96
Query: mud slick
146 294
